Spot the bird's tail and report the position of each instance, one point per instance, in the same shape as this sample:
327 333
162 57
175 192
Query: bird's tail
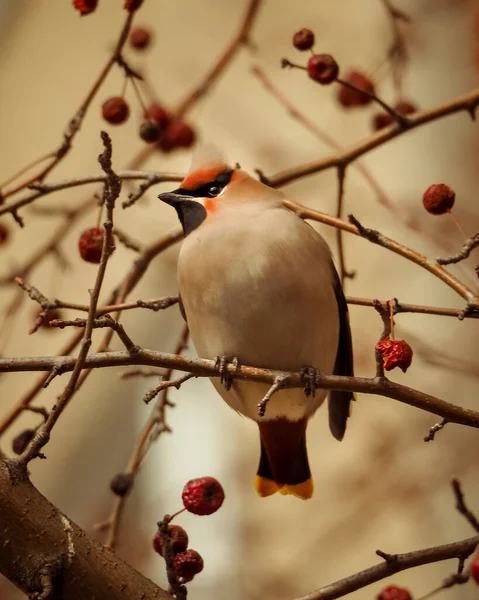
283 465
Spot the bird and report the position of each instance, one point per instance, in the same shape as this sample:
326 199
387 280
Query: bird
258 286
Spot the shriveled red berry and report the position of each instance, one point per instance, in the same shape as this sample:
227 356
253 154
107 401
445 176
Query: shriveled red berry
188 564
132 5
348 97
159 114
21 441
178 540
404 107
115 110
203 496
85 6
303 39
180 134
381 120
323 68
121 484
395 353
438 199
4 234
475 569
394 592
140 38
150 131
90 244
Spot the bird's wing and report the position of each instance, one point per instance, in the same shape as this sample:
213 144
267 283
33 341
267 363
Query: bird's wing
182 309
339 402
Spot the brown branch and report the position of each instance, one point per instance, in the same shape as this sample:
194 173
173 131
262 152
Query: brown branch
128 283
393 564
111 193
467 103
206 368
62 547
378 238
401 307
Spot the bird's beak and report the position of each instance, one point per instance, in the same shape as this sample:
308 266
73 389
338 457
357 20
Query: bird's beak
173 198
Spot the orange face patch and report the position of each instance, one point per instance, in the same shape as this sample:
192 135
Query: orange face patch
210 205
201 177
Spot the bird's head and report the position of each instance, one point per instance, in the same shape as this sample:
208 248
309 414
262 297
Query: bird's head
209 185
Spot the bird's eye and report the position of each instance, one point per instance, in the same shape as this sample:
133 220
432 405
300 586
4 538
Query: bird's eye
214 190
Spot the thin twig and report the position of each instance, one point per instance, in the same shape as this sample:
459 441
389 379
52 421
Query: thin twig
462 507
75 123
111 193
464 252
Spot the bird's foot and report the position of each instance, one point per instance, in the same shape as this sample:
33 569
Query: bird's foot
310 377
221 365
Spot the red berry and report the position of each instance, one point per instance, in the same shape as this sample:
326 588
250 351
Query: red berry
188 564
150 131
395 353
475 569
180 134
203 496
348 97
85 6
90 244
140 38
393 592
132 5
115 110
405 107
323 68
21 441
381 120
4 233
438 199
157 113
303 39
178 540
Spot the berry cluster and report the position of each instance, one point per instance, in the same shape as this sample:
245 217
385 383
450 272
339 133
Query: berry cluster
202 496
355 87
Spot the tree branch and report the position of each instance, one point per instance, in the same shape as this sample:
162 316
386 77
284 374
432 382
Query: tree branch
35 530
393 564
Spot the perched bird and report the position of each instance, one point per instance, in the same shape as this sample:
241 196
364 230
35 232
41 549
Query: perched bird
257 284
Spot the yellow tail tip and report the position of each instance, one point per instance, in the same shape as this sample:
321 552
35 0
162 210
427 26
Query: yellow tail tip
303 490
265 487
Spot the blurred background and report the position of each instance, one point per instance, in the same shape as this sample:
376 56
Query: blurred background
382 487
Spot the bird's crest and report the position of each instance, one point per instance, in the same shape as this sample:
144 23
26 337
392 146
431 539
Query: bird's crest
206 164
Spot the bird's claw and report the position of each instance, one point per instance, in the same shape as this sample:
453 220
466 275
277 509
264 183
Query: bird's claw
310 377
221 365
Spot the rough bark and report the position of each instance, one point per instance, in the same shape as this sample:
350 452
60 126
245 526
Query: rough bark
43 552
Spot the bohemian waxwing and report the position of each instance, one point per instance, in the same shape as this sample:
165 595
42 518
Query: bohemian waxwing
258 284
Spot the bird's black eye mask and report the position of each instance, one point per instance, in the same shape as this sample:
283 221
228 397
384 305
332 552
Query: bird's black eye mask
190 213
211 189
